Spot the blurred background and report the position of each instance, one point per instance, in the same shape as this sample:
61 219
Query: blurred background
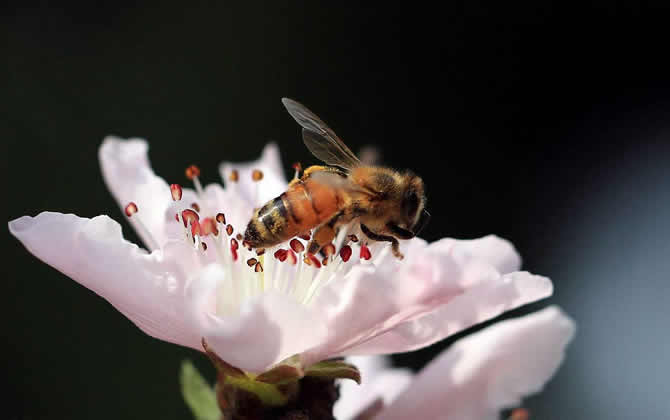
546 124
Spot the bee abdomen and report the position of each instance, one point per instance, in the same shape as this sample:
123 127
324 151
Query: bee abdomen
267 226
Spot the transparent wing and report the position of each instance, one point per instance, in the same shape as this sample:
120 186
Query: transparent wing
320 139
334 180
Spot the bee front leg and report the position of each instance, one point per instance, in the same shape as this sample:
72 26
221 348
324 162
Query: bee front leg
395 245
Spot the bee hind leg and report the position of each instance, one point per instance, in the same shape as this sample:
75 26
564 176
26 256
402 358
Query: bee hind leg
395 245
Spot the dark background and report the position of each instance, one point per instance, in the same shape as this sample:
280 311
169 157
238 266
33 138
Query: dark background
543 123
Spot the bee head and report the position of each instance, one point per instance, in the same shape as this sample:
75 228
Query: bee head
413 214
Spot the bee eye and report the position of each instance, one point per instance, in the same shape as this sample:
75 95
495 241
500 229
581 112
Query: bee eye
410 203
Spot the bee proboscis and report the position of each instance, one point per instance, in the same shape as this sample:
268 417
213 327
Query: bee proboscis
389 205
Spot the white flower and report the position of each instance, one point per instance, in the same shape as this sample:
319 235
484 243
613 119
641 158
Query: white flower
191 287
475 378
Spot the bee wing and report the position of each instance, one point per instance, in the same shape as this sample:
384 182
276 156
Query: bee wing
320 139
337 181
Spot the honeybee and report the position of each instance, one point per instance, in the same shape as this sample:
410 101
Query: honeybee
389 205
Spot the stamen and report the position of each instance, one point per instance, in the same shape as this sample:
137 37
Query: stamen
234 176
291 257
176 191
203 246
257 175
195 207
297 246
310 259
281 254
192 172
251 262
519 414
208 226
189 215
247 245
233 248
221 218
352 238
306 236
239 237
229 230
258 267
328 250
131 209
324 261
298 167
365 253
260 251
345 253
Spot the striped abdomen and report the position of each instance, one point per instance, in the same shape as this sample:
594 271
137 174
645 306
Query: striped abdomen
304 205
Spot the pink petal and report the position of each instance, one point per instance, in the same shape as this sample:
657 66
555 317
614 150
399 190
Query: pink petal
477 304
128 175
497 251
146 288
487 371
268 329
379 381
439 289
256 193
393 294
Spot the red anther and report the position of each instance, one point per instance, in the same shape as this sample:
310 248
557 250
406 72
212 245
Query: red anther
229 230
195 228
239 237
176 216
260 251
324 261
296 245
258 267
365 253
233 244
175 190
234 175
306 236
310 259
192 172
345 253
297 166
195 207
208 226
189 215
131 209
221 218
353 238
291 257
251 262
257 175
281 254
328 250
519 414
203 246
247 245
234 254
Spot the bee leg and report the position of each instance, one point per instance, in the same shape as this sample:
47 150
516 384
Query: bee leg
395 245
324 234
400 232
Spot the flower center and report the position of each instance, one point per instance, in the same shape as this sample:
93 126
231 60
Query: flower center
287 268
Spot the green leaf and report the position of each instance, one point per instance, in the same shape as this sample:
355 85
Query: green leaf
198 394
334 369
